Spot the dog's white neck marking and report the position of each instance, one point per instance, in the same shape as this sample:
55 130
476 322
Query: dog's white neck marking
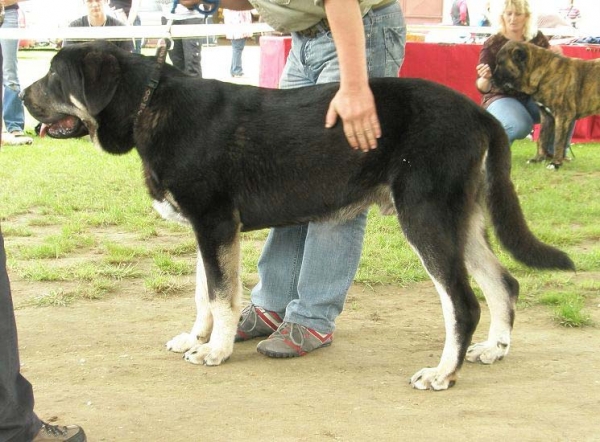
90 122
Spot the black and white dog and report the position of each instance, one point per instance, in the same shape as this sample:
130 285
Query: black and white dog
236 158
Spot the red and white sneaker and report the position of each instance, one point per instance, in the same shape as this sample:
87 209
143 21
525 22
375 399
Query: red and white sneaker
256 322
292 340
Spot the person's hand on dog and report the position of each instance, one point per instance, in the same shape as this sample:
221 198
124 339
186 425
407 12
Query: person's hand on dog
357 110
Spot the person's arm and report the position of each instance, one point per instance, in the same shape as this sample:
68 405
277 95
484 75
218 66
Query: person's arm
484 78
237 5
133 12
354 102
463 13
487 57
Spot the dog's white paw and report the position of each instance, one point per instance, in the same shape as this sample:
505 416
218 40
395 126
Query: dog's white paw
182 343
432 379
207 354
487 352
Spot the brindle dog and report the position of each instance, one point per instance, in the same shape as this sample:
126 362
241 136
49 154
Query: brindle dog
566 88
235 158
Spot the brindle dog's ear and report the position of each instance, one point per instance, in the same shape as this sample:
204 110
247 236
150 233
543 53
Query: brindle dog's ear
101 75
519 55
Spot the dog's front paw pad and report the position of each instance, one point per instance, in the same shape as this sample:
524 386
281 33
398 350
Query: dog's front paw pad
431 379
182 343
206 354
487 352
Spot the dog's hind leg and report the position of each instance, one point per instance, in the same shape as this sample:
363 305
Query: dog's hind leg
202 327
499 287
433 228
545 138
564 124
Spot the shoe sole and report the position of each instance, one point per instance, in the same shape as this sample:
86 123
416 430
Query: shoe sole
277 355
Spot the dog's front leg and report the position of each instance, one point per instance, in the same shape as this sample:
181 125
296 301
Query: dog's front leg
224 302
202 327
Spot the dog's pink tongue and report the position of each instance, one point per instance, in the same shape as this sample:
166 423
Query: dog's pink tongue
43 130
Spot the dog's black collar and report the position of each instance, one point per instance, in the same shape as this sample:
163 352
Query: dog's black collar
161 56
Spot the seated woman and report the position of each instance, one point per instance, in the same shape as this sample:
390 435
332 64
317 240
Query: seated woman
517 111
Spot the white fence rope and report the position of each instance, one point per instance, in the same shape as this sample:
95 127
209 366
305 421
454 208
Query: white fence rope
204 30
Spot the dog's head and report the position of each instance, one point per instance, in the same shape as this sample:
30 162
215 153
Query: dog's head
79 86
512 65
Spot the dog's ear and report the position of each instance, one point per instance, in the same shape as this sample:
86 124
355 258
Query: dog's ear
519 54
101 75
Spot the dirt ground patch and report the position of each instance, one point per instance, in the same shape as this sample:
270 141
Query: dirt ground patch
103 364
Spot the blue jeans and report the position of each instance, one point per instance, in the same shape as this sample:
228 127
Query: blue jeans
137 42
237 47
12 109
18 422
518 118
306 270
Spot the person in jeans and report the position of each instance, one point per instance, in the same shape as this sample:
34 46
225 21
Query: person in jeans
13 110
126 11
18 422
517 111
306 270
185 53
237 38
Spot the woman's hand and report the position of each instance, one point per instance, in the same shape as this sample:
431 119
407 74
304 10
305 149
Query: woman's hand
484 71
484 78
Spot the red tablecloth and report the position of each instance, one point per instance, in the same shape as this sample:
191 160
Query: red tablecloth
450 64
454 66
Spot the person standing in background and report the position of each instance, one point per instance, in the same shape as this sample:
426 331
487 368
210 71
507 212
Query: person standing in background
237 37
185 53
13 110
571 13
460 13
127 12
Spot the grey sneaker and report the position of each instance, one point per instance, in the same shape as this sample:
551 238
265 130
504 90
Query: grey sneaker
292 340
256 322
56 433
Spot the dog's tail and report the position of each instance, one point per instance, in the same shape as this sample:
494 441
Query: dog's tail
506 214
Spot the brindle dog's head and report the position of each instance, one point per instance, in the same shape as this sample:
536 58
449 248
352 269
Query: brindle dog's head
79 85
512 66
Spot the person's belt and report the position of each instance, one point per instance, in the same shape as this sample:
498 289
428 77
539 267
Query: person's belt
323 25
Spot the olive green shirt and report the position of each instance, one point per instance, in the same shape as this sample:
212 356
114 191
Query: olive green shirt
298 15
